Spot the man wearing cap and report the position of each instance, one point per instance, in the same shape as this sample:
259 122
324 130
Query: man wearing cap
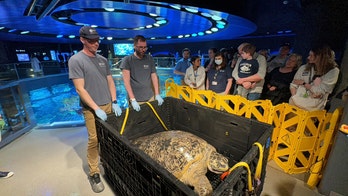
93 81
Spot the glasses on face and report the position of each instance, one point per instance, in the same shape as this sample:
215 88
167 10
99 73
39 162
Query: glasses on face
141 47
92 41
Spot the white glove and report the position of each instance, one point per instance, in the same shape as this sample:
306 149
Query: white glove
159 99
135 105
116 108
101 114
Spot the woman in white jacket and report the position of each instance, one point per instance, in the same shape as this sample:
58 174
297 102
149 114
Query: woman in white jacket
314 81
195 74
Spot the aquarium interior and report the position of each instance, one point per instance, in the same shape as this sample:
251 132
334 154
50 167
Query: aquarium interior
58 105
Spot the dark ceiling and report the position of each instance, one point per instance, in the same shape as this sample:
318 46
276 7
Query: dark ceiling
168 21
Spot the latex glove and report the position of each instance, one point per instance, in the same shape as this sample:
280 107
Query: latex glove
116 108
101 114
135 105
159 99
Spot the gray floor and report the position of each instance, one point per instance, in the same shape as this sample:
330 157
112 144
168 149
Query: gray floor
52 162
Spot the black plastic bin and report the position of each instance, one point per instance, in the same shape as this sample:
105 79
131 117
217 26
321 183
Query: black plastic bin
131 172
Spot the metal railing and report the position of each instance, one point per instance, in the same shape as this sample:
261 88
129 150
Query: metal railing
15 71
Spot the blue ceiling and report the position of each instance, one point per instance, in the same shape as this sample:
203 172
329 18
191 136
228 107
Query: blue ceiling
161 22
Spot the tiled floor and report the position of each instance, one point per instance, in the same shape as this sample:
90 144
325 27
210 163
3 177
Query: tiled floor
52 162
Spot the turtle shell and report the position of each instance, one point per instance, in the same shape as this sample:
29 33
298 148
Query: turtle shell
175 150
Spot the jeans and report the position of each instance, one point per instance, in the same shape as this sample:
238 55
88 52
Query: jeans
254 96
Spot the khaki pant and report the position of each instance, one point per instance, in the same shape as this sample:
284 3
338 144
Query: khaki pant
93 145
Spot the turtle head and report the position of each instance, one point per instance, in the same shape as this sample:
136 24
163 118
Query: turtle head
217 163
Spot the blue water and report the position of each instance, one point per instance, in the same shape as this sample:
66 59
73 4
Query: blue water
60 103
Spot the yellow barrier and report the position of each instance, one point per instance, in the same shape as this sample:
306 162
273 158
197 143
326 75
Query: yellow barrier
300 139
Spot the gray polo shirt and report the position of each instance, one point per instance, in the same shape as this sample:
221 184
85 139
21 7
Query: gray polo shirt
94 70
140 75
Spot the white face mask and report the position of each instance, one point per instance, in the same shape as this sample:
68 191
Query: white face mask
218 62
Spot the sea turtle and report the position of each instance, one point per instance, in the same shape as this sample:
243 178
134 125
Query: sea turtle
186 156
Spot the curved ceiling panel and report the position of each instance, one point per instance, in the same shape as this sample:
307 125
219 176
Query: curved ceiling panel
59 21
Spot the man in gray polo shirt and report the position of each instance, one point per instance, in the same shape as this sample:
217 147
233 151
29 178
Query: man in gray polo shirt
139 75
93 82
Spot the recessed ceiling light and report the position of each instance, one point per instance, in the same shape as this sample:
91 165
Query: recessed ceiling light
63 18
109 9
175 6
206 15
216 18
192 9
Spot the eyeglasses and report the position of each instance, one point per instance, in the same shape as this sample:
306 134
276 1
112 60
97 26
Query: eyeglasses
92 41
142 47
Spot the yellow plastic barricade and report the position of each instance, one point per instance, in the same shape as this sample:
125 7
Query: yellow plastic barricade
300 140
170 88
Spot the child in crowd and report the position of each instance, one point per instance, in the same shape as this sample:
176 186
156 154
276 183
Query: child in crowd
247 67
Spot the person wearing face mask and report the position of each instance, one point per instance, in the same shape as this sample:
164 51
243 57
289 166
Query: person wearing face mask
219 77
247 67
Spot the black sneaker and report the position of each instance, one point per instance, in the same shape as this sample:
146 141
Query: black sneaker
96 183
6 174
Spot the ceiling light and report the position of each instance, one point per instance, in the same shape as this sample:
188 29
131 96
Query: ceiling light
2 28
153 15
148 26
208 32
194 34
216 18
192 9
71 36
180 36
169 37
59 36
109 9
214 29
12 30
200 33
161 22
109 38
221 22
175 6
63 18
220 26
25 32
206 15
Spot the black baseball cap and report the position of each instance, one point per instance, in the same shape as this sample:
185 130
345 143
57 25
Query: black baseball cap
89 32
